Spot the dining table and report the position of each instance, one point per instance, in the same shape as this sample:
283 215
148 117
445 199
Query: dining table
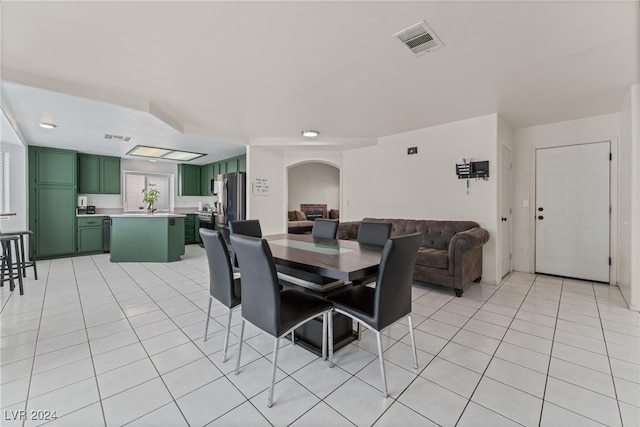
322 267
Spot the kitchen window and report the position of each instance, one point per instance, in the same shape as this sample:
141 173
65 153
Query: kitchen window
4 182
135 182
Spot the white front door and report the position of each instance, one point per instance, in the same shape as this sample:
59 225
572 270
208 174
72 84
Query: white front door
572 211
505 211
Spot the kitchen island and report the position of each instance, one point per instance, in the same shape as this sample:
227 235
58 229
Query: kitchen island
157 237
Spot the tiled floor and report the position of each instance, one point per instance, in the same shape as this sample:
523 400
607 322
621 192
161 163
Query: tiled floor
116 344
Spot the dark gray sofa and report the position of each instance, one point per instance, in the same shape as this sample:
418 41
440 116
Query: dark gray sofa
450 254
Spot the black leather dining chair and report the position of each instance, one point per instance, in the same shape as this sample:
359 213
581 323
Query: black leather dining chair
390 301
224 284
273 311
246 227
325 228
374 233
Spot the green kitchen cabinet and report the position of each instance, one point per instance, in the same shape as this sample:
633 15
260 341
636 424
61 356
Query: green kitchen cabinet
89 234
188 180
232 165
52 166
98 174
52 200
206 175
110 175
147 238
191 229
242 163
54 221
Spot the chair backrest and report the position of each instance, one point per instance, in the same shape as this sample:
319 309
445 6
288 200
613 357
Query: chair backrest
247 227
221 285
395 276
325 228
260 286
374 233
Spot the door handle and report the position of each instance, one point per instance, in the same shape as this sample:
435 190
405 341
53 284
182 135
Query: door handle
504 219
540 209
540 217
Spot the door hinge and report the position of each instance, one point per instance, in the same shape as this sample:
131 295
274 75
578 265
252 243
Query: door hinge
610 156
610 209
609 260
510 256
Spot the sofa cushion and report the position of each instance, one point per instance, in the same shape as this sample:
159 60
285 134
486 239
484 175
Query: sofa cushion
437 234
291 215
431 257
300 216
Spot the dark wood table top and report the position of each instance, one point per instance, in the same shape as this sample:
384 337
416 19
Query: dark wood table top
345 260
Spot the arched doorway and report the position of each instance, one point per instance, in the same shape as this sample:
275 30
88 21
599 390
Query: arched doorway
313 183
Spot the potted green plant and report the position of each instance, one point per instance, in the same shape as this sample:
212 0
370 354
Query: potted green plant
150 197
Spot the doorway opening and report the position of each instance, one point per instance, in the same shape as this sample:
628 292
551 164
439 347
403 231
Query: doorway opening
314 184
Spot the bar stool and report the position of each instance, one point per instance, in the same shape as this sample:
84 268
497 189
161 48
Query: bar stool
25 262
7 262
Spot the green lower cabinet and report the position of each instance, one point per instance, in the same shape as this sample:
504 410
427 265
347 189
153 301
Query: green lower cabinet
54 221
147 238
89 234
89 239
191 226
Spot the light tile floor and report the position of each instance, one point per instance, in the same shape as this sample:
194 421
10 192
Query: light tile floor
115 344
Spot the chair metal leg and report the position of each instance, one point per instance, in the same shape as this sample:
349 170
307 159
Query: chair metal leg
293 337
324 336
206 324
226 336
32 252
24 260
358 330
240 346
273 373
384 377
330 328
413 342
18 264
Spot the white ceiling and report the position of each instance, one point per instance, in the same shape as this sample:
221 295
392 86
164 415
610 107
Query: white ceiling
218 75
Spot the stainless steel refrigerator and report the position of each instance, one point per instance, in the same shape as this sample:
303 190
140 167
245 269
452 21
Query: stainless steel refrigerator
231 197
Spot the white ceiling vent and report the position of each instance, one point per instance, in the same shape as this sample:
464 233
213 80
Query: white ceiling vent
419 38
118 137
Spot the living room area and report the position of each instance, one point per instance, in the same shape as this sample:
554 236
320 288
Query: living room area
313 192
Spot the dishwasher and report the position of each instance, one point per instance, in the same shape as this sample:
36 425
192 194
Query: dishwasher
106 234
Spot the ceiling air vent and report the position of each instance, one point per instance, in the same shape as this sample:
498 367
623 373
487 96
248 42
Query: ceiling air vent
118 137
419 38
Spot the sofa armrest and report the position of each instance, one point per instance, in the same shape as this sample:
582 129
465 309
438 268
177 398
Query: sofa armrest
469 239
348 230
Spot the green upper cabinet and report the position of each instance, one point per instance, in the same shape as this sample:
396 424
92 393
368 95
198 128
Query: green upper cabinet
206 175
232 165
110 175
98 174
188 180
50 166
242 163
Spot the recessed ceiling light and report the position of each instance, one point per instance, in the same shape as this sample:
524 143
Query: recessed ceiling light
310 133
47 125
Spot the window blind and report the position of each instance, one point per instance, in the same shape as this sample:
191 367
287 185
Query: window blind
134 182
4 182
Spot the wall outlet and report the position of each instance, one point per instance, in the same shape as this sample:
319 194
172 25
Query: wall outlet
525 203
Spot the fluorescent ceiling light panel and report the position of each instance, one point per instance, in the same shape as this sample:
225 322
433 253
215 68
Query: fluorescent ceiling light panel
163 153
143 151
182 155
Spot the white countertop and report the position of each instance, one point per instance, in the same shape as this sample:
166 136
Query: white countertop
146 215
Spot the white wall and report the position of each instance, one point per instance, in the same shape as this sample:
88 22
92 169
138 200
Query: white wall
115 200
527 140
383 181
629 199
270 209
315 183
